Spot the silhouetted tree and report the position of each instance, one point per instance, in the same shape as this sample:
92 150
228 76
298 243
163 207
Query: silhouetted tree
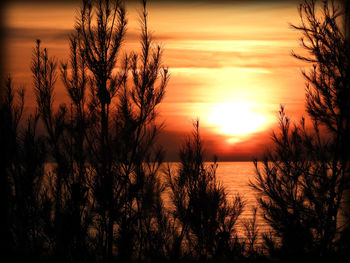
11 113
22 172
44 71
326 40
296 185
78 200
206 220
252 248
140 159
101 25
303 179
124 159
327 87
8 131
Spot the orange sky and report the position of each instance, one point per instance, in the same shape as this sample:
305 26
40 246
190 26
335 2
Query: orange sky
229 57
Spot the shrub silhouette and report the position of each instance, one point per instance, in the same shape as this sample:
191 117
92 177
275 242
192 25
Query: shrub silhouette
22 173
78 203
139 157
327 90
205 219
101 26
125 186
101 196
303 180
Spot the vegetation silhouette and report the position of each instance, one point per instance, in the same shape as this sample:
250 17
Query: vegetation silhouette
81 182
22 165
101 27
302 181
205 219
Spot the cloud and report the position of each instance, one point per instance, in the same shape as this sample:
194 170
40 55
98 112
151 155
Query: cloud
184 58
23 34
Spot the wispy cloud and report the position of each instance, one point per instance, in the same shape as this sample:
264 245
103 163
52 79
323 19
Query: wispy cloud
28 34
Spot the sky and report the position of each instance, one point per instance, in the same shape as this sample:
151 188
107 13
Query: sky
230 65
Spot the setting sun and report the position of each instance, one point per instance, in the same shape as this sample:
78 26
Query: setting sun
235 119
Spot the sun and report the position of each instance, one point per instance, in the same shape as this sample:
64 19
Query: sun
236 119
